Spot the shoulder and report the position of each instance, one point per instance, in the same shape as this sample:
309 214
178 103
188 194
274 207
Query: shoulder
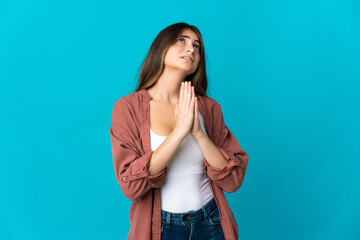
126 113
210 104
214 115
128 102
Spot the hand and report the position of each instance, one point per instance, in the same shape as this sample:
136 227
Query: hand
184 110
196 130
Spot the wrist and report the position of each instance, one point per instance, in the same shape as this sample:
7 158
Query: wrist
199 136
177 135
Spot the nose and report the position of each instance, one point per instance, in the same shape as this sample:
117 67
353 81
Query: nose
191 49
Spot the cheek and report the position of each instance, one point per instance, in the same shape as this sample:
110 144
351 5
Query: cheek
171 54
170 57
197 62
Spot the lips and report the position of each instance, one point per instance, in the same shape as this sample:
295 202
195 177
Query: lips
188 57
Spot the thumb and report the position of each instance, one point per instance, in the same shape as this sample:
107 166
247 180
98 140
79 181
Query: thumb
196 118
196 107
176 107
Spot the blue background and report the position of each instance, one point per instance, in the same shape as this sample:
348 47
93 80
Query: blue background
286 74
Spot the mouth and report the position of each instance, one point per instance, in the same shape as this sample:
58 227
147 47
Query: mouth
189 59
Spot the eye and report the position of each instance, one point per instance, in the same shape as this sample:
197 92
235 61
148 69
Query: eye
197 47
180 39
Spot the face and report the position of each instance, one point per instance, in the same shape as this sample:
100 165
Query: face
184 54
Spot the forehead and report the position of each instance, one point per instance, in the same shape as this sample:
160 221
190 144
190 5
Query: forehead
190 34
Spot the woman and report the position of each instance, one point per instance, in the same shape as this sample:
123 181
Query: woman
173 154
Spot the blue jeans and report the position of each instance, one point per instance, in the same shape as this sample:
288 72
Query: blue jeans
200 224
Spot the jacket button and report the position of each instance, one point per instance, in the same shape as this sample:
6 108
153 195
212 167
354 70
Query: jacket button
124 178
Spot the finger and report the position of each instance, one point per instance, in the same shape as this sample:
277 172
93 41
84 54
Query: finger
196 103
176 107
193 93
189 92
181 96
196 109
192 103
186 95
183 102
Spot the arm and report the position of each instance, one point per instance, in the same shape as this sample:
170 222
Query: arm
225 162
131 166
137 172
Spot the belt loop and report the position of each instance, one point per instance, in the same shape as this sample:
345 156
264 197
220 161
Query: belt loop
168 216
205 213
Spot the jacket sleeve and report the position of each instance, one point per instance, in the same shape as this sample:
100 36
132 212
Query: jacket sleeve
230 177
131 165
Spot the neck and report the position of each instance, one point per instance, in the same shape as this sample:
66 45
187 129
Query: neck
167 87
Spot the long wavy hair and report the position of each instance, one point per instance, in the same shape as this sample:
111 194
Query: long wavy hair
153 65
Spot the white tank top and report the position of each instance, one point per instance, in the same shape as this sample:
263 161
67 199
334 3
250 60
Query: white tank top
186 186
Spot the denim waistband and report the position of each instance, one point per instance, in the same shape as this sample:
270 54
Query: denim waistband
190 216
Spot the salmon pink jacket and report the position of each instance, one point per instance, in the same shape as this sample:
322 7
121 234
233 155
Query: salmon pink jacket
131 152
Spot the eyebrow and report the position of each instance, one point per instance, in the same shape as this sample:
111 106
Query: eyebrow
185 36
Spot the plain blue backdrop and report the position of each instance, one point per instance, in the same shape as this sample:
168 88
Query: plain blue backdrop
286 74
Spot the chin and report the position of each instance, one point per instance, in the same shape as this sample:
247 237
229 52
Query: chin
189 72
